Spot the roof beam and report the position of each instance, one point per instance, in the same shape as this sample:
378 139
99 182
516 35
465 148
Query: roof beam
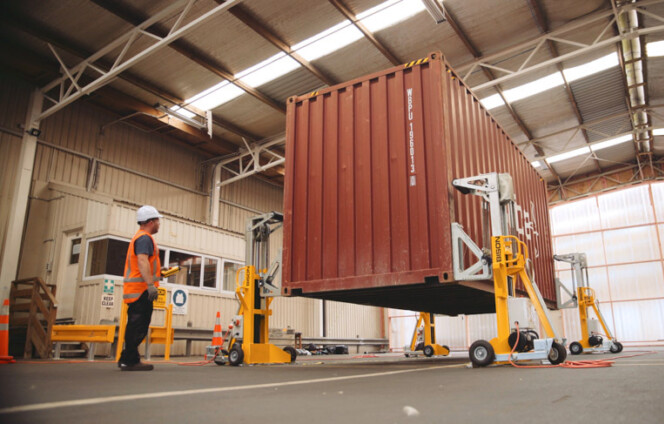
39 31
188 50
543 25
476 53
252 22
67 94
561 35
341 7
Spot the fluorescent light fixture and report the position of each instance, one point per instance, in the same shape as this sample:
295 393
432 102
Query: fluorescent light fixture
215 96
611 142
658 131
654 49
328 41
435 9
178 114
492 101
568 155
268 70
177 110
590 68
389 13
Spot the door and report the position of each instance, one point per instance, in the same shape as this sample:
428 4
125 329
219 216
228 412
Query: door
70 255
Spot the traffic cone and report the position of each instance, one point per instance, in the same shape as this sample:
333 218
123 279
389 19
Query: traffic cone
217 340
4 334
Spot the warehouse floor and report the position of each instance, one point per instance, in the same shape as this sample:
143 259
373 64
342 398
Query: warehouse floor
333 389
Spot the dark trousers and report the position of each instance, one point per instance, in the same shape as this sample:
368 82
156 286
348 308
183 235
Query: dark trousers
139 315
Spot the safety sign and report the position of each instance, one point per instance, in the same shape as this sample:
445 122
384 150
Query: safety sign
179 299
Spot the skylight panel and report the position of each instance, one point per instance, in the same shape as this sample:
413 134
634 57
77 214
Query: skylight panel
268 70
590 68
611 142
658 131
655 49
536 164
390 13
535 87
492 101
568 155
215 96
334 40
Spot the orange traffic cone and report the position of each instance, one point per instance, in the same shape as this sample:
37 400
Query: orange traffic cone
4 334
217 339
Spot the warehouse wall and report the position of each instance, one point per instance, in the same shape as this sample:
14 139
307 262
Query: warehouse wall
622 234
88 182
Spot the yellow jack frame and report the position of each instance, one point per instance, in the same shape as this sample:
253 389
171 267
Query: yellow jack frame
430 347
509 260
255 312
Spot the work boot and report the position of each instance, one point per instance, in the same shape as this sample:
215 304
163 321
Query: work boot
136 367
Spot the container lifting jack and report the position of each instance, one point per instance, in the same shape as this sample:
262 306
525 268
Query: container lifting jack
506 259
583 297
424 337
255 289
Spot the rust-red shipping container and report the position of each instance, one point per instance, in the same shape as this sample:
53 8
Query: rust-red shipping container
368 196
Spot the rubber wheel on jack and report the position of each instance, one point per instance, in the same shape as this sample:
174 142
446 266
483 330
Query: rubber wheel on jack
616 347
575 348
558 354
236 355
481 353
428 351
293 353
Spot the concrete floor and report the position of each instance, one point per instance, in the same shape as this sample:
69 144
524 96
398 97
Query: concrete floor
333 389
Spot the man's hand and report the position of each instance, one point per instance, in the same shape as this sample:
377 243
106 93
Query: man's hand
152 292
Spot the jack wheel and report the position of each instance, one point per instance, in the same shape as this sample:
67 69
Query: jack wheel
575 348
616 347
236 355
428 351
293 353
558 354
481 353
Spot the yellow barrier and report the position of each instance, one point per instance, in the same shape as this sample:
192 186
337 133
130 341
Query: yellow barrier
157 335
82 334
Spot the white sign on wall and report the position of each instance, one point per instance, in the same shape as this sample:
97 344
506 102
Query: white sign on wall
108 294
179 300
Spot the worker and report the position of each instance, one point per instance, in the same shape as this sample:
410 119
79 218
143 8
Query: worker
141 279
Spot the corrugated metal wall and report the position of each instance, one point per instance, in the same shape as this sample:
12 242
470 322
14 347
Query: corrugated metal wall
134 168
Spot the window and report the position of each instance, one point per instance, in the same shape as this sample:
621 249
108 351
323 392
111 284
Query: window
230 272
107 255
75 252
195 270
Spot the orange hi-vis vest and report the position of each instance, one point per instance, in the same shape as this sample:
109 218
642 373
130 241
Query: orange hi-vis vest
134 285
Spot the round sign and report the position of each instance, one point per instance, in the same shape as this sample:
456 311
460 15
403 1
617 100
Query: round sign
179 298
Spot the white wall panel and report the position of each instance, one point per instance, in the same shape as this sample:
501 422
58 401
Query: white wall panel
451 331
639 320
482 326
589 243
626 207
636 281
401 326
658 200
576 217
631 245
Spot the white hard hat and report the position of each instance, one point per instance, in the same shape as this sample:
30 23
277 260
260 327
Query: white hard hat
147 212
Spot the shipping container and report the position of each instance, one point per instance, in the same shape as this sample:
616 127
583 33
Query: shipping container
368 196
